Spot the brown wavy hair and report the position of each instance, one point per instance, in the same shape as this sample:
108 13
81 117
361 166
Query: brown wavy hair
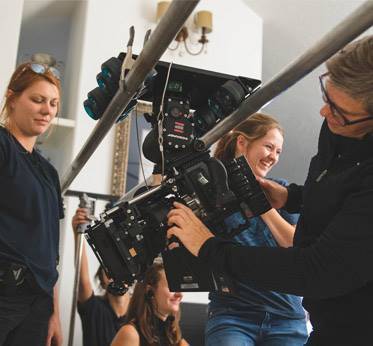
22 78
99 276
141 309
253 128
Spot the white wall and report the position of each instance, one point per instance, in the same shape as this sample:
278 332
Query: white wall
235 43
10 24
290 27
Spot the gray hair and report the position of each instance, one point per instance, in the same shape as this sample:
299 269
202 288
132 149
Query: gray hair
351 70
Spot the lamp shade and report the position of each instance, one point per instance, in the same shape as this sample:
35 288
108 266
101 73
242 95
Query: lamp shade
162 7
203 19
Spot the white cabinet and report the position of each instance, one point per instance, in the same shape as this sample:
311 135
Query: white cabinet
55 28
10 23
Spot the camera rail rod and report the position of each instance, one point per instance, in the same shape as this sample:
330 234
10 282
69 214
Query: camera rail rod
104 197
170 24
351 27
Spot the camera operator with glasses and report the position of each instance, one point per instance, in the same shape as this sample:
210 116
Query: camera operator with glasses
330 263
30 210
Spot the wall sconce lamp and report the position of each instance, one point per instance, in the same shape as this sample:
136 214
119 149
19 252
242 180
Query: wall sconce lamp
202 21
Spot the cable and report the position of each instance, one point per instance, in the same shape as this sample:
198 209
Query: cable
160 118
139 149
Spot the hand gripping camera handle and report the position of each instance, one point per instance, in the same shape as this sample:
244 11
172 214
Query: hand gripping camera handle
86 203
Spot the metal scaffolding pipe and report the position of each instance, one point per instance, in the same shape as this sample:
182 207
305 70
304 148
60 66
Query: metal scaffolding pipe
351 27
164 33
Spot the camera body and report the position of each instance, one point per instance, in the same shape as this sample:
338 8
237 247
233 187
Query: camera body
129 236
187 105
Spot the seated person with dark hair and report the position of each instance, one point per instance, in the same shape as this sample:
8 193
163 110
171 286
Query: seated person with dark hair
101 316
153 313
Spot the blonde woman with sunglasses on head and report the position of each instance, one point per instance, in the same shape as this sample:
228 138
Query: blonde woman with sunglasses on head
30 210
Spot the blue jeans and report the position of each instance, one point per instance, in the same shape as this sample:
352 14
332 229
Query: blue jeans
225 328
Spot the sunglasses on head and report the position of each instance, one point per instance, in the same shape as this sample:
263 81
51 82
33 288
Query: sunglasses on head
41 69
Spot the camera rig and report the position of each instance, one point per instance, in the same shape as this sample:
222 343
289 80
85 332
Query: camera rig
130 235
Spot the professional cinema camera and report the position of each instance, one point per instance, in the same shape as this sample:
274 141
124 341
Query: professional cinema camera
187 102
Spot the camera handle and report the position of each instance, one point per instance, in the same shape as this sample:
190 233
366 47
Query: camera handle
87 203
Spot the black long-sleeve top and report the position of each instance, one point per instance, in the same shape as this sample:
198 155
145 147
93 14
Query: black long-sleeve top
331 263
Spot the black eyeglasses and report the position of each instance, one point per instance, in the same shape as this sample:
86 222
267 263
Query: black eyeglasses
40 69
337 112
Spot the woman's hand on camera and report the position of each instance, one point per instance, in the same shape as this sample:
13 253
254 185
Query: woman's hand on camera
277 194
187 227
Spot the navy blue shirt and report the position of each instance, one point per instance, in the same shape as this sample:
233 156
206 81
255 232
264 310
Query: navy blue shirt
99 322
30 209
248 297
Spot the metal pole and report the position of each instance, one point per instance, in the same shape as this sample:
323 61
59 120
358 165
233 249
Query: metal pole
79 249
85 202
351 27
164 33
101 196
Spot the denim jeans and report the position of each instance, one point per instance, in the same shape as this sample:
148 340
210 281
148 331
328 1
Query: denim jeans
253 328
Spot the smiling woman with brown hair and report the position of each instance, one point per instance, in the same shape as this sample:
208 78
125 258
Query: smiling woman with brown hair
30 209
252 316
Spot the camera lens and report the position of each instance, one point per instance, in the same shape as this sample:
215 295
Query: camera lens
222 103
